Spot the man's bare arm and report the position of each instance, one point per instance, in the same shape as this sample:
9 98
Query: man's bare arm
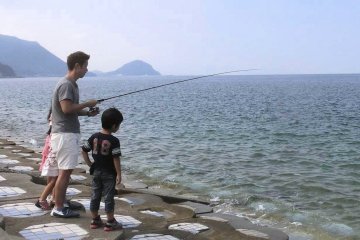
68 107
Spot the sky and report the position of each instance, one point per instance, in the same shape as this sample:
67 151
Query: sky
184 37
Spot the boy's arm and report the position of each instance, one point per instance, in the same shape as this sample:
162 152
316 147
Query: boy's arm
118 169
86 158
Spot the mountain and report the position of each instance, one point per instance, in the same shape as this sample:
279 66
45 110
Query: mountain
135 68
29 59
6 71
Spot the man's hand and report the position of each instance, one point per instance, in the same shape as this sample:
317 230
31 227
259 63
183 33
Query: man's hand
68 107
93 111
91 103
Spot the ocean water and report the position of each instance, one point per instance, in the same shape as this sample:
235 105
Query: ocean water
283 150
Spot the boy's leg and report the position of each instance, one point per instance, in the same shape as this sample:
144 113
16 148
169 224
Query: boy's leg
110 216
109 182
96 193
97 188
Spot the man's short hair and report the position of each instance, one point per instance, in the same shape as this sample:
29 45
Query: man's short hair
77 57
111 117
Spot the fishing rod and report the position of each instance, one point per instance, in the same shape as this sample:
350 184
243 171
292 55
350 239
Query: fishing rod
142 90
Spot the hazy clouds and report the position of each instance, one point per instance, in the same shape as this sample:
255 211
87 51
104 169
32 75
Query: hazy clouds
195 37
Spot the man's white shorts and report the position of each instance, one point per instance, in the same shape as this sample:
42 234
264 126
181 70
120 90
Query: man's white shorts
66 148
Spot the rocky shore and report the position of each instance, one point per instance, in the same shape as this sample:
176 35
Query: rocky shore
145 214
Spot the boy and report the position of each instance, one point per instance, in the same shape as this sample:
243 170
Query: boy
106 169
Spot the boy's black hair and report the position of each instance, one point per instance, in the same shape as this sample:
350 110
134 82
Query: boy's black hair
111 117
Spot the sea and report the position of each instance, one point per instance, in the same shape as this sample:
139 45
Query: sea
281 150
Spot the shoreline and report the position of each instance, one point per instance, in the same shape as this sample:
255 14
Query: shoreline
159 190
138 196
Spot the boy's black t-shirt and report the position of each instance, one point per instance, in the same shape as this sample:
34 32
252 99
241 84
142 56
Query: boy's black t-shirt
104 148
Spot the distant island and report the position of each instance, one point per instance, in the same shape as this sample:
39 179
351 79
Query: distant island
6 71
22 58
134 68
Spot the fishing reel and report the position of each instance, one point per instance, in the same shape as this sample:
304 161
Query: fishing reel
94 109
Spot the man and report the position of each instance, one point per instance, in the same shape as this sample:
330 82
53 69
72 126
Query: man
65 134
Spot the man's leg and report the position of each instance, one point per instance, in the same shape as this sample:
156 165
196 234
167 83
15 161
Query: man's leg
65 146
61 185
60 191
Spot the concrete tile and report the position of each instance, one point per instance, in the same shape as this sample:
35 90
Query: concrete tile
86 203
10 191
77 177
126 221
189 227
153 237
21 210
70 191
125 200
34 159
253 233
153 213
2 178
57 231
198 208
8 161
22 168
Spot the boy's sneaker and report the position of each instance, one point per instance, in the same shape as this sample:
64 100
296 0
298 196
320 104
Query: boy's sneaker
64 213
44 205
113 225
96 223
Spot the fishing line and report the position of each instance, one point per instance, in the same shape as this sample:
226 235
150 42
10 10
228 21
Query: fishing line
185 80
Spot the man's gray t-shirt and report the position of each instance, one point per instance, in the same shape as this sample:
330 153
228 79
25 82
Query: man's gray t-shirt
64 123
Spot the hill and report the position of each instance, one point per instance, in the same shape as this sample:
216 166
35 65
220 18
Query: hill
29 59
135 68
6 71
